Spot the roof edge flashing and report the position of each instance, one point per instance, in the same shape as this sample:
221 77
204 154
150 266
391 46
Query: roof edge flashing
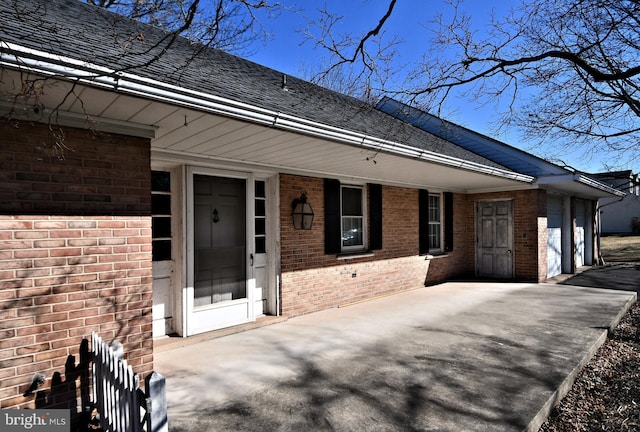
62 67
581 179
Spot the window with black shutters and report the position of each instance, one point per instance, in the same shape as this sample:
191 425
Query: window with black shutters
346 206
435 210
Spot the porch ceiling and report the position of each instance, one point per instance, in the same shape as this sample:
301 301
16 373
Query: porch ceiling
230 140
192 136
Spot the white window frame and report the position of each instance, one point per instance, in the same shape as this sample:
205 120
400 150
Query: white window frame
363 192
438 223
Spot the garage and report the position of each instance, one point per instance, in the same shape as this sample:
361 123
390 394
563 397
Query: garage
554 235
579 234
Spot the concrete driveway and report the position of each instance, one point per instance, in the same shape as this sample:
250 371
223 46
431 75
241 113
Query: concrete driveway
453 357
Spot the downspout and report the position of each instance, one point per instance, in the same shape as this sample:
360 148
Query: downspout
599 235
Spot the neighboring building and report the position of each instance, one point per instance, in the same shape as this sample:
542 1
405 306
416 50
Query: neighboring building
620 215
170 209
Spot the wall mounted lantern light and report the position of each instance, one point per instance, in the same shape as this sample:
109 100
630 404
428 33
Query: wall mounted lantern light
302 213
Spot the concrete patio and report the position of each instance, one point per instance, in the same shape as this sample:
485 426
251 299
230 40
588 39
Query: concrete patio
461 356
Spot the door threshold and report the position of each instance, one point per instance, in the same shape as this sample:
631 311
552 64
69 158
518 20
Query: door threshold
166 343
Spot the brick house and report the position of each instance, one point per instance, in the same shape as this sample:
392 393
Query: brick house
569 202
140 199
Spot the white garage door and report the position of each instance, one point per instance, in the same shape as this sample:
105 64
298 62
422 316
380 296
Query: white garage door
554 239
580 225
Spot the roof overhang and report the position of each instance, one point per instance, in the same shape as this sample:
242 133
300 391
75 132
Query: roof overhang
549 175
182 122
579 185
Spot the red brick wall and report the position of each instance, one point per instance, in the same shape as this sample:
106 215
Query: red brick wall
459 262
312 280
75 257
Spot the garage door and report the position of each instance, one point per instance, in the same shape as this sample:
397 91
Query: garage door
554 236
580 226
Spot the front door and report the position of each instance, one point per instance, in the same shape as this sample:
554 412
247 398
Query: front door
494 245
221 295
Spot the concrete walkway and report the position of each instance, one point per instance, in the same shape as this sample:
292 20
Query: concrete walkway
453 357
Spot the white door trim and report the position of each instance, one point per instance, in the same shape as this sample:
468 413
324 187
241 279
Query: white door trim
189 323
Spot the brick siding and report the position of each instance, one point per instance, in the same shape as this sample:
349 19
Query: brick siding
75 257
529 227
313 280
460 262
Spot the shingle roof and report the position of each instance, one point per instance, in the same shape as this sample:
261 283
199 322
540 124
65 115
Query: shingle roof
500 152
74 29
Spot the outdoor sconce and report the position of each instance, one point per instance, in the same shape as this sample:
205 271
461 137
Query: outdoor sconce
302 213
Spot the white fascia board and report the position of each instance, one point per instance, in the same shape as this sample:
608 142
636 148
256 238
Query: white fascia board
567 179
40 62
586 180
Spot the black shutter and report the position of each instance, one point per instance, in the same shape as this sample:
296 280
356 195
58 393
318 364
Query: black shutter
423 221
375 211
332 236
448 221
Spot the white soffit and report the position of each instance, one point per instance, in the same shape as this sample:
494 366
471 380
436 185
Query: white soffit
184 132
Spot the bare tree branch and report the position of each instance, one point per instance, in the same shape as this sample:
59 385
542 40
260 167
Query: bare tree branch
569 72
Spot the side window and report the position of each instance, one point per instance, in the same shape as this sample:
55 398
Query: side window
161 215
435 222
430 219
352 218
346 227
260 218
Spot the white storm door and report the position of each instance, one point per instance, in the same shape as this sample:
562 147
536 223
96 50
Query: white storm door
219 293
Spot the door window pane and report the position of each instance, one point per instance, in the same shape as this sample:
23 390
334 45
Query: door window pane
260 223
260 189
161 215
160 204
160 181
260 227
161 227
161 250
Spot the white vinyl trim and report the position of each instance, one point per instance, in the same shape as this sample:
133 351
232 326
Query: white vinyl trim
40 62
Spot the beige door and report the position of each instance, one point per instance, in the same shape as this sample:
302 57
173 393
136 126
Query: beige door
494 239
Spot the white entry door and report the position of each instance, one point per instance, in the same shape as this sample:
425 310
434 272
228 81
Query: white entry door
220 292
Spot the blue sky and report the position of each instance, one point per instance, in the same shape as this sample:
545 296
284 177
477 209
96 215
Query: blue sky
286 52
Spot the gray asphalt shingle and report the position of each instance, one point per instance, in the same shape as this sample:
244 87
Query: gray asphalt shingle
81 31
